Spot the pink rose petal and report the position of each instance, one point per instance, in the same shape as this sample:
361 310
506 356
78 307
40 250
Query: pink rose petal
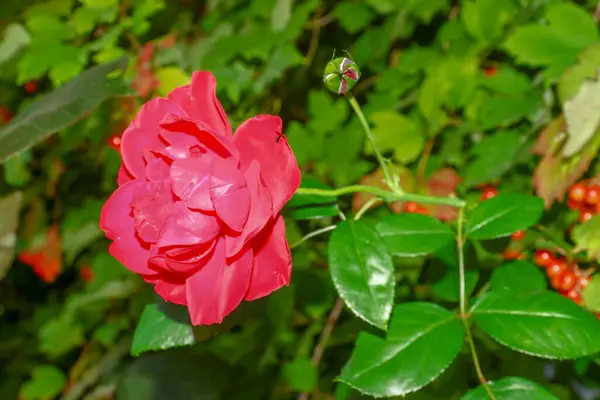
256 139
229 194
184 227
191 182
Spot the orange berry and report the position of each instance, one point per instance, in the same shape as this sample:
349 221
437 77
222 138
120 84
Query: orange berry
488 193
115 142
86 274
583 282
578 192
575 205
411 207
567 281
512 254
490 72
585 215
556 268
573 295
518 235
543 258
592 196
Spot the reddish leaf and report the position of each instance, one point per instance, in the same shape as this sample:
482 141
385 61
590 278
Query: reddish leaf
555 174
443 183
45 260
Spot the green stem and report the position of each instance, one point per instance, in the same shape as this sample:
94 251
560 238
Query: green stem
365 208
386 195
311 235
460 240
356 107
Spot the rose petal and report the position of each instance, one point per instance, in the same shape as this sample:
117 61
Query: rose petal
184 227
199 100
123 176
142 134
229 194
152 203
261 208
116 220
183 132
157 169
256 139
218 288
189 260
272 262
173 292
191 182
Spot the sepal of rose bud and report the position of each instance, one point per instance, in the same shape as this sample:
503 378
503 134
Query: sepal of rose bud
341 74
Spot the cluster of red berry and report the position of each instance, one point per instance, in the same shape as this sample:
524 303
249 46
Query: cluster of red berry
412 207
584 198
565 276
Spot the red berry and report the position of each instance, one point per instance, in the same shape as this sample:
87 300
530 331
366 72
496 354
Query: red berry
543 258
490 72
583 282
573 295
518 235
574 205
411 207
556 268
115 142
578 192
593 196
488 193
422 210
30 87
512 254
86 274
585 215
567 281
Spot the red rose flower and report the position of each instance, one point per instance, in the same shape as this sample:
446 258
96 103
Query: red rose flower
196 212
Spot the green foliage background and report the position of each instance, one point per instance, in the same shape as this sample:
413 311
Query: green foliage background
457 92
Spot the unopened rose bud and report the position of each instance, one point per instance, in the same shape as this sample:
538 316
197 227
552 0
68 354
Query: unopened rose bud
341 74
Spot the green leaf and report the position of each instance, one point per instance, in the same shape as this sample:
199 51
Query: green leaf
285 56
15 38
506 80
504 110
314 212
519 276
485 19
422 341
411 235
447 288
171 77
591 294
543 324
570 82
162 326
511 388
581 117
494 156
362 271
353 16
587 237
309 206
570 30
281 14
47 382
10 207
394 131
79 228
61 108
60 335
503 215
301 375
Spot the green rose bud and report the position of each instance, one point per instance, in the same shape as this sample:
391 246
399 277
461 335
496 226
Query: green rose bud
341 74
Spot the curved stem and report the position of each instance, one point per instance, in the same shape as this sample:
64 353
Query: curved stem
366 208
386 195
460 240
311 235
357 110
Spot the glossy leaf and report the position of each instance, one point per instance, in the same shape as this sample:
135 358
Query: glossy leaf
543 324
47 382
362 271
582 120
422 341
61 108
159 330
503 215
447 288
518 276
511 388
411 235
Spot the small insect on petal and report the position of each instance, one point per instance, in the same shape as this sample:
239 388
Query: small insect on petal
341 74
